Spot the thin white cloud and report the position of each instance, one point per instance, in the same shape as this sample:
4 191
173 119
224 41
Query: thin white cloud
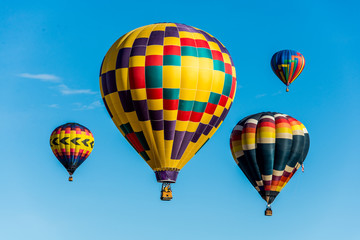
277 93
41 77
260 95
68 91
53 105
93 105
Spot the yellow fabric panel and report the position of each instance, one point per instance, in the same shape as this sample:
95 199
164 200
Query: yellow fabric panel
171 76
137 61
218 111
148 133
190 61
181 125
116 117
160 27
296 127
283 129
155 104
229 101
168 149
206 63
198 36
202 96
171 25
226 58
192 126
115 106
171 41
206 118
101 88
138 94
144 32
151 162
109 62
205 79
122 82
233 71
170 115
266 130
174 163
133 120
154 50
218 82
183 34
187 94
189 77
160 145
214 46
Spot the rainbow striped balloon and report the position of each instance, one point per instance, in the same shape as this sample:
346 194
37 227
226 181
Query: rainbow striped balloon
167 87
287 65
269 147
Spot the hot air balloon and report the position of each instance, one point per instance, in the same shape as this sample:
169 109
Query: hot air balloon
167 88
287 65
269 147
71 143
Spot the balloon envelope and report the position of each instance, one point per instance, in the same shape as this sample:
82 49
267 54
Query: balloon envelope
269 147
71 143
167 88
287 65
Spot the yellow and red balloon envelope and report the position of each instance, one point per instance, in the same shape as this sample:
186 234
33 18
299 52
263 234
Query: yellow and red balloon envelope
71 143
167 88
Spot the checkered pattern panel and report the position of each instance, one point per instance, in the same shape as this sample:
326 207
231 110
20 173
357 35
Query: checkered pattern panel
167 87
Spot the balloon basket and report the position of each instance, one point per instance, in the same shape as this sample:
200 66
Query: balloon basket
70 178
166 193
287 89
268 211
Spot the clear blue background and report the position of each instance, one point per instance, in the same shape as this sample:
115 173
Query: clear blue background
114 194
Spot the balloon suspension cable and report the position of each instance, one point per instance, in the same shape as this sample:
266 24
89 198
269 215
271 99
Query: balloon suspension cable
302 167
166 193
268 211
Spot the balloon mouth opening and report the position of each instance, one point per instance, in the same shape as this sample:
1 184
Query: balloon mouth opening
166 176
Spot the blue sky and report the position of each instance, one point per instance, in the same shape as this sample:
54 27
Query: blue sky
50 56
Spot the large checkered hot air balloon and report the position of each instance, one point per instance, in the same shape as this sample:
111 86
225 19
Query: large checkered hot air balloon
287 65
168 88
269 147
71 143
